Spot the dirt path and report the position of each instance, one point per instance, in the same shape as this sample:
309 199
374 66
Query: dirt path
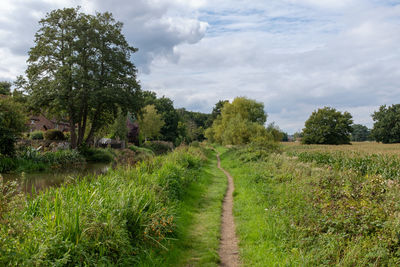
229 249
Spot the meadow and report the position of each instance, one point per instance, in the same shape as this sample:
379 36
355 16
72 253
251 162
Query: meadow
309 205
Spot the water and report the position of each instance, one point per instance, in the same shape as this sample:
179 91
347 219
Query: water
43 180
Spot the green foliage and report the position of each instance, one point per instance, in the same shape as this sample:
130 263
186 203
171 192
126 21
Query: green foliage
159 147
120 129
387 124
36 135
239 123
12 124
151 122
116 219
216 112
96 154
54 135
292 213
31 160
80 67
274 130
165 106
5 88
385 166
191 125
360 133
328 126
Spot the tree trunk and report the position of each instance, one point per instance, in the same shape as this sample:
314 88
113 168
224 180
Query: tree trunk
73 135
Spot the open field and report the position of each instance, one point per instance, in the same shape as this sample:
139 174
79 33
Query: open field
294 209
359 147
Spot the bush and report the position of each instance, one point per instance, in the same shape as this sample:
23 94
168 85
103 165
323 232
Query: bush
159 147
36 135
67 136
96 155
12 124
54 135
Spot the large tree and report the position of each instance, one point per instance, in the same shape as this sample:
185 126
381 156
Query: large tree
328 126
150 122
387 124
164 106
80 69
240 122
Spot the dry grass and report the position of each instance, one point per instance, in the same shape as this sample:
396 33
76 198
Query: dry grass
359 147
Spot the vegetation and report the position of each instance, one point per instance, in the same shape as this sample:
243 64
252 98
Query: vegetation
31 160
387 124
289 212
36 135
12 124
5 88
54 135
80 68
328 126
159 147
360 133
122 218
240 122
151 122
165 107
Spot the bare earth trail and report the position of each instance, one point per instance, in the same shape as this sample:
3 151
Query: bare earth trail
229 249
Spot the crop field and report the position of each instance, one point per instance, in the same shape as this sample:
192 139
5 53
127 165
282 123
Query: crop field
312 205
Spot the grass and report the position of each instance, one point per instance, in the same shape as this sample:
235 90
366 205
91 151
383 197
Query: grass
294 213
200 223
122 218
165 211
30 160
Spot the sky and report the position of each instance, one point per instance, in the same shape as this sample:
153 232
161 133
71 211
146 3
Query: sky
295 56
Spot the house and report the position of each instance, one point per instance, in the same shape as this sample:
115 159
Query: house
41 123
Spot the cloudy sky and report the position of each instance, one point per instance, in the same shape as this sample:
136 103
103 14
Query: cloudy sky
293 55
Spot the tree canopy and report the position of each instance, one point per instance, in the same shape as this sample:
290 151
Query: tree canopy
80 69
360 133
5 88
328 126
240 122
150 122
387 124
12 124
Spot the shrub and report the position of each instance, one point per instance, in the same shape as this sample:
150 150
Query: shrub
53 135
7 164
36 135
67 136
159 147
12 124
96 155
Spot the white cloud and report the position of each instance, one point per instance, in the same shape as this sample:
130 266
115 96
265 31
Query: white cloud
295 56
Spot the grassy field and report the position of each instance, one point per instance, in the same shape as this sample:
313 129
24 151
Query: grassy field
357 147
317 205
145 215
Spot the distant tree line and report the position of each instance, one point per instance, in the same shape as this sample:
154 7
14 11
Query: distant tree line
329 126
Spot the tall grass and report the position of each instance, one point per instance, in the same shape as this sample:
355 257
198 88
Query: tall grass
293 213
121 218
30 160
386 166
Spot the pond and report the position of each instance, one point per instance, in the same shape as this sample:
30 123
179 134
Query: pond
42 180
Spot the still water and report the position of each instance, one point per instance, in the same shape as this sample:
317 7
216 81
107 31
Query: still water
43 180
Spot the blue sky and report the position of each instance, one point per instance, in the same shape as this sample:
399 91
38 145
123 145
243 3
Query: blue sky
293 55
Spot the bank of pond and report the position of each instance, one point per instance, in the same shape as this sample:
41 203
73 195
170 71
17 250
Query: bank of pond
119 218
